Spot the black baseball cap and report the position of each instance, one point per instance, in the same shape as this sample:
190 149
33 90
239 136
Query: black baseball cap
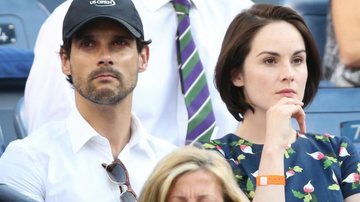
82 11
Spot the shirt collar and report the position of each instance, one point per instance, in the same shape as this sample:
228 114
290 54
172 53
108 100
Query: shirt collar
139 140
153 5
81 133
79 130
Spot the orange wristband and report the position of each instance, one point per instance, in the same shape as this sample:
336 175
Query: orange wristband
270 180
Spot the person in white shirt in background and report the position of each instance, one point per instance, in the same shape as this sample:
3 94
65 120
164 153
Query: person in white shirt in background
81 157
158 100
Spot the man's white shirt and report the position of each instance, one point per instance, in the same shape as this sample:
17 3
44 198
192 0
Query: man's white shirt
62 161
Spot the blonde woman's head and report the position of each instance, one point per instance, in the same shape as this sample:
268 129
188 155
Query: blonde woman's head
187 170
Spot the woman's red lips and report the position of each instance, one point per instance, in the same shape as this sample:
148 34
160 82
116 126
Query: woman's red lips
287 92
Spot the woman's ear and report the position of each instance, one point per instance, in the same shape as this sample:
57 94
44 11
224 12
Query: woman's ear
144 58
237 78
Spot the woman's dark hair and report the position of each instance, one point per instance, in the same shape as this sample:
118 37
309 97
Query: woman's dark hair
237 44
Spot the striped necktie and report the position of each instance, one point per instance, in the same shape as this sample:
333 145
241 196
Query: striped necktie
201 119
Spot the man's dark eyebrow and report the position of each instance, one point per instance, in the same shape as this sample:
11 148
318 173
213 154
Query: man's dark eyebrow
82 36
126 37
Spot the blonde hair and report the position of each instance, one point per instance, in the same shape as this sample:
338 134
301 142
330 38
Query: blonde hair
187 159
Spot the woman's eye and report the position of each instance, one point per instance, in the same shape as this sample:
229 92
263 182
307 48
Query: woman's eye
298 60
269 61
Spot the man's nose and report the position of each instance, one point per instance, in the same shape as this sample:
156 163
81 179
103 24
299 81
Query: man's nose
105 57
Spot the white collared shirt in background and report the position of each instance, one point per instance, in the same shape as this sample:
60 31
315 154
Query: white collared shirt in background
62 161
158 101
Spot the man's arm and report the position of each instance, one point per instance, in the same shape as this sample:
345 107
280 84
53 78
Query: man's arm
22 172
346 22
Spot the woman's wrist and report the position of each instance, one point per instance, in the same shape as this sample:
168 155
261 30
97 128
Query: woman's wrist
264 180
272 161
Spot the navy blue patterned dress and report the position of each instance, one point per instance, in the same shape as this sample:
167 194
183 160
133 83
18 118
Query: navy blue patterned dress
317 167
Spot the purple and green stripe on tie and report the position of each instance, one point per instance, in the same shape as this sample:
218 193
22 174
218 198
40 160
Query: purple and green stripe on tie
201 119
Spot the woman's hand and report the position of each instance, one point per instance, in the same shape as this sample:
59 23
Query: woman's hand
278 121
279 134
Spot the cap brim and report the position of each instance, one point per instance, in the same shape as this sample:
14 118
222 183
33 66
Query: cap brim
131 29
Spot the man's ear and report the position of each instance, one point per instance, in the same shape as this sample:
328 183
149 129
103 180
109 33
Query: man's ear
237 78
144 58
65 62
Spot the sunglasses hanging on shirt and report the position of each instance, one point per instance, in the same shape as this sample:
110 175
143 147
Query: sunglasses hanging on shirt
118 174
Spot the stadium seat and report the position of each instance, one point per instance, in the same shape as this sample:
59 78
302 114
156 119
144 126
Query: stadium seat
51 5
2 142
20 122
314 13
15 64
351 130
335 111
20 22
8 194
8 101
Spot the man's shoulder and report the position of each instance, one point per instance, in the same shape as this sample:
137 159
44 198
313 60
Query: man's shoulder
43 138
49 130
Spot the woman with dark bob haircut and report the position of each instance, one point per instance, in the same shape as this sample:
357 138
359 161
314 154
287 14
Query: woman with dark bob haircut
268 71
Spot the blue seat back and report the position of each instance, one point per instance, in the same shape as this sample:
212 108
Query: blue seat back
351 130
51 4
8 194
20 121
20 22
2 142
15 63
335 111
8 100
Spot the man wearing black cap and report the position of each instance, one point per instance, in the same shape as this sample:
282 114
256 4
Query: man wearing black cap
100 152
